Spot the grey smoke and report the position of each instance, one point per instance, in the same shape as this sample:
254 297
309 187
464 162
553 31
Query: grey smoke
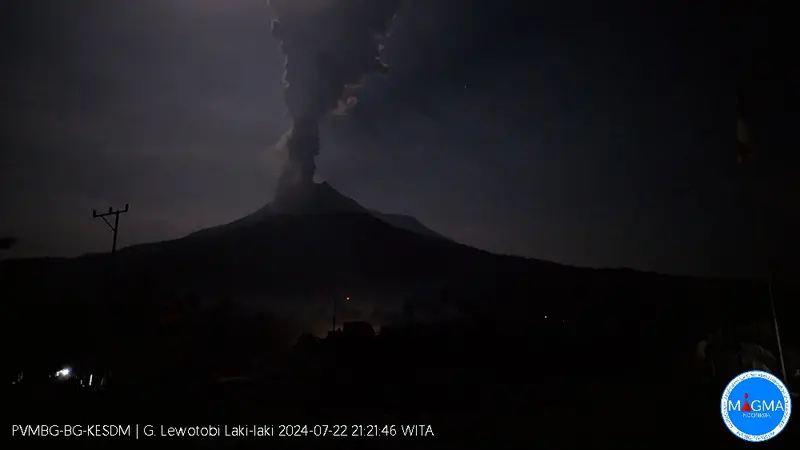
330 46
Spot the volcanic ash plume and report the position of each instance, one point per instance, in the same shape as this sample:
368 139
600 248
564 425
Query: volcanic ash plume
330 45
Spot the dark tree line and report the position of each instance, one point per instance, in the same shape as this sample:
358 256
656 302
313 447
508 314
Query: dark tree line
7 242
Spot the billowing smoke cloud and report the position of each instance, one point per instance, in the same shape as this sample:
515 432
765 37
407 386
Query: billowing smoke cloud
330 46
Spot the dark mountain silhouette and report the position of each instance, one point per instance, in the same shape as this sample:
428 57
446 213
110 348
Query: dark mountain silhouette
406 223
517 318
310 240
319 199
312 243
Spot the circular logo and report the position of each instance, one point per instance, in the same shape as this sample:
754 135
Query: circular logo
756 406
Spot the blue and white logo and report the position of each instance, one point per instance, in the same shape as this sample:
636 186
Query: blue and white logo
756 406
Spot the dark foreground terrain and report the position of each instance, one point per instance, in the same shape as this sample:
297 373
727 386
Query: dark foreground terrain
530 351
470 387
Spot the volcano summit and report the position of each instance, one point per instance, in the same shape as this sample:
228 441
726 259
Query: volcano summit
318 199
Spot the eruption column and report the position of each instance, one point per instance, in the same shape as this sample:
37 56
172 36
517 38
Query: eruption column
330 46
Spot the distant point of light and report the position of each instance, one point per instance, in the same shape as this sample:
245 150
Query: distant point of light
63 372
347 298
545 317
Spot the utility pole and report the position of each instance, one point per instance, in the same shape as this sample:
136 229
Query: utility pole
105 364
114 227
747 150
335 302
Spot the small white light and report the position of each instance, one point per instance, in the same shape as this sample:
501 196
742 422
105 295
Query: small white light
545 317
90 379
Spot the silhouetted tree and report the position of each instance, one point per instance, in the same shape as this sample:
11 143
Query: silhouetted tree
7 242
306 340
723 355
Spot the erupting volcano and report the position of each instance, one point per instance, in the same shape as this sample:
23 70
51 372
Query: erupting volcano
330 46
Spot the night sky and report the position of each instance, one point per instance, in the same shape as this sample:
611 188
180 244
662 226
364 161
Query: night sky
590 135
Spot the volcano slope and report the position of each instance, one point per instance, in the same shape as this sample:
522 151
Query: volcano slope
312 244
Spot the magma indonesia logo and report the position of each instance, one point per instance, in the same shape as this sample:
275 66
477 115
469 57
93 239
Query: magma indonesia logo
756 406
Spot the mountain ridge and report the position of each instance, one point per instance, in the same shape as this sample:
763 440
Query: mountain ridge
318 199
302 249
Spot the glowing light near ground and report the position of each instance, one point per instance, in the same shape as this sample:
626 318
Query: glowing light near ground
64 373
